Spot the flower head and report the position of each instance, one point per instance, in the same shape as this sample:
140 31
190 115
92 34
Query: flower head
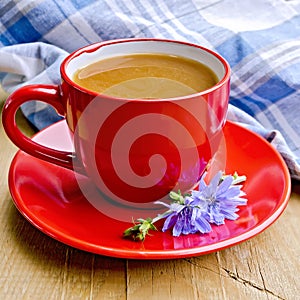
212 203
222 198
186 217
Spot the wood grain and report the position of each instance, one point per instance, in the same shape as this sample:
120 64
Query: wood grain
34 266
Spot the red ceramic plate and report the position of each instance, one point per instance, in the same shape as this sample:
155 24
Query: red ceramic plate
50 199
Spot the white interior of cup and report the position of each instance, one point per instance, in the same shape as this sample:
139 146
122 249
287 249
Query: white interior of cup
151 46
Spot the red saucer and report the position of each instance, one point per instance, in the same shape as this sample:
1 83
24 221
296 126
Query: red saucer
49 198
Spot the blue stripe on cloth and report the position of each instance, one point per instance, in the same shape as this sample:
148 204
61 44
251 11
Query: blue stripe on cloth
264 96
243 104
274 89
235 49
251 104
67 10
43 118
112 26
4 39
23 31
38 17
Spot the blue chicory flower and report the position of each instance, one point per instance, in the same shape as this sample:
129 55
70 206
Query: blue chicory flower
212 203
186 217
222 198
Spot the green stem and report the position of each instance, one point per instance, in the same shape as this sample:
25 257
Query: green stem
161 216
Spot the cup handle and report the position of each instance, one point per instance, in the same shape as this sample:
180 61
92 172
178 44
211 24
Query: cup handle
49 94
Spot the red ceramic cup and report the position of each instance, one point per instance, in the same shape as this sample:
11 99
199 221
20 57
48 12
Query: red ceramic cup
134 150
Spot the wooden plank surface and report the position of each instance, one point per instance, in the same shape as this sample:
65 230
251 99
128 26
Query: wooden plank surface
34 266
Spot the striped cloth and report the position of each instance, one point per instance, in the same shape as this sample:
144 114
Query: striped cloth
260 40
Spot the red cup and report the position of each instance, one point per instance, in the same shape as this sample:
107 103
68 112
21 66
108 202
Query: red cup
135 150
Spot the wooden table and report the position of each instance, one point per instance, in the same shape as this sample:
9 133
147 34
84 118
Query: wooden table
35 266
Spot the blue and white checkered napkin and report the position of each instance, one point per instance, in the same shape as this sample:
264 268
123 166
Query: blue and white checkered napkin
260 40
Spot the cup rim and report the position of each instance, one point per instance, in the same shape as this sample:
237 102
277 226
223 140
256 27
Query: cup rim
95 46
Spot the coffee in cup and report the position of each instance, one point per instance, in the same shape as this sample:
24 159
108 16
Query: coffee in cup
146 76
